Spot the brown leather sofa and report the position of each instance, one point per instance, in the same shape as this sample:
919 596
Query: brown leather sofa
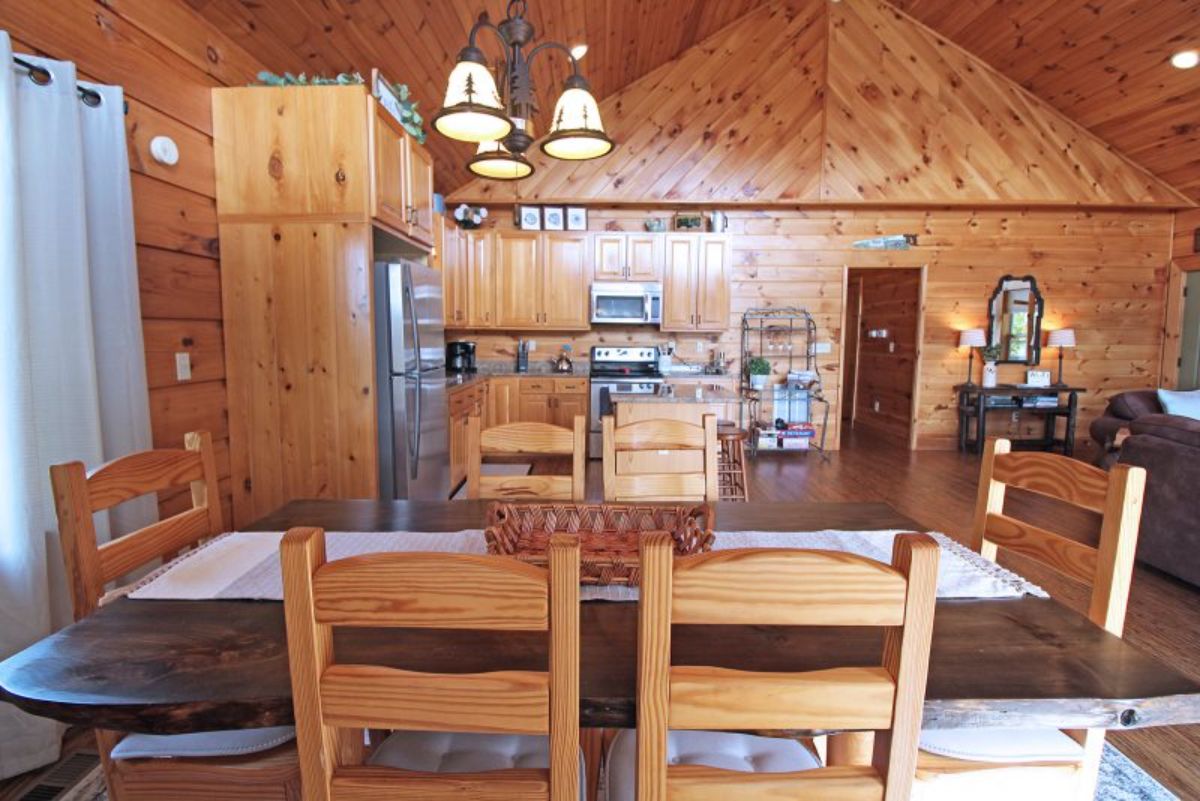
1168 446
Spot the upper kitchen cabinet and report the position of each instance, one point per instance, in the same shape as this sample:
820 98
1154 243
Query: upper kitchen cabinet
419 187
696 282
627 257
541 280
402 185
328 151
292 151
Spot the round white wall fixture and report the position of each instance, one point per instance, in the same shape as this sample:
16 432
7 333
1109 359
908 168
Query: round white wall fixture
164 150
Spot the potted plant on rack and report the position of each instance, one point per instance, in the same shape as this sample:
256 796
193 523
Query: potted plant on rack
990 355
758 369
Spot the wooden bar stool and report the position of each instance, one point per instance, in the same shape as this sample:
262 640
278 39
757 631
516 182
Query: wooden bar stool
731 463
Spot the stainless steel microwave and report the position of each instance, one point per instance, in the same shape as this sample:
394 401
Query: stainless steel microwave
624 302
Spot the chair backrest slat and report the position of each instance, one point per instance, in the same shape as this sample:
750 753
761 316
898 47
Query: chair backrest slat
1067 556
731 700
811 588
376 697
157 540
533 439
1106 568
78 495
653 435
141 473
334 702
782 587
428 590
664 436
1055 476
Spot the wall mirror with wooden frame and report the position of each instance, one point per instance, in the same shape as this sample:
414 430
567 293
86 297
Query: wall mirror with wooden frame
1015 320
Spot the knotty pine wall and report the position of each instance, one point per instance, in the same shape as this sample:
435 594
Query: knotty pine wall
167 59
1102 272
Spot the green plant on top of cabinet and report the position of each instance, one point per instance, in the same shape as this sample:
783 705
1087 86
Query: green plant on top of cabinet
696 282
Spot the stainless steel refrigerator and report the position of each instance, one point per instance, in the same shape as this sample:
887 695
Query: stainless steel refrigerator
414 446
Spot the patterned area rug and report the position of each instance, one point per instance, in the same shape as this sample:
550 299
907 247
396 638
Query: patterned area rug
1120 780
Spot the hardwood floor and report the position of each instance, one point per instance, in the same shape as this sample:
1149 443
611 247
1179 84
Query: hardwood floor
937 488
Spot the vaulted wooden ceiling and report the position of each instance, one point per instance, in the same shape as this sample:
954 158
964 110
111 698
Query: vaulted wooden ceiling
1103 63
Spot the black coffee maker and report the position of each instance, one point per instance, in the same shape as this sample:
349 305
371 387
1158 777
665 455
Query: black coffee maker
460 357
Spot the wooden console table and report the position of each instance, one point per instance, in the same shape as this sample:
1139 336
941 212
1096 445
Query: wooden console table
973 404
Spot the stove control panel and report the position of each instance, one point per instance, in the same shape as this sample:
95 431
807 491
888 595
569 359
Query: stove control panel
646 355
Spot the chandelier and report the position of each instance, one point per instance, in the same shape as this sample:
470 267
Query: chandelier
499 119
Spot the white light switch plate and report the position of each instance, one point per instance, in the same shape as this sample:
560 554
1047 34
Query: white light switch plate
532 345
823 347
183 366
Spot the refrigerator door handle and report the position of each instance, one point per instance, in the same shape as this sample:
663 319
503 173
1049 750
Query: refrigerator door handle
414 433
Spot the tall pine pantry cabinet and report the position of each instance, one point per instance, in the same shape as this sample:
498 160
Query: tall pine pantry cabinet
313 182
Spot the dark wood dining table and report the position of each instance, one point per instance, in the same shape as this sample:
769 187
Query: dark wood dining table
170 667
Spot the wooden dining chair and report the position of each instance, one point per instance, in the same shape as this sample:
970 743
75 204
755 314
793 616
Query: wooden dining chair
670 436
1045 763
249 763
684 747
527 439
458 735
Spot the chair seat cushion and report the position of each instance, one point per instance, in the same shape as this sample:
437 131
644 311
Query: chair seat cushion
1002 745
235 742
740 752
456 752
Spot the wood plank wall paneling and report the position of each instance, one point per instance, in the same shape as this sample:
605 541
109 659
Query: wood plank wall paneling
1102 272
870 108
168 59
891 301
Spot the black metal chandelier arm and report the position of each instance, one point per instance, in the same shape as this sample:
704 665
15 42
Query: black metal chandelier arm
485 24
555 46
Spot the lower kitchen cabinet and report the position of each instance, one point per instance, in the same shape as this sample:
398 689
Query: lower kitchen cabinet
464 403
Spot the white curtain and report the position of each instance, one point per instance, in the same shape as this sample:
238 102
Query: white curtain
72 368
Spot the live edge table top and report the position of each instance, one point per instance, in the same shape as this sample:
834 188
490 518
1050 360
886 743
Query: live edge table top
178 666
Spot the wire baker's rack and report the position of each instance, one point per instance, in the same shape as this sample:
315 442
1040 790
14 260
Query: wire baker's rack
783 336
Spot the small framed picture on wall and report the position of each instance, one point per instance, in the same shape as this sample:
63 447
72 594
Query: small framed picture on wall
529 218
554 218
576 218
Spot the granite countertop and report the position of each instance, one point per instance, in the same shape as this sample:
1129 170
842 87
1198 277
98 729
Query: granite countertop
506 369
698 392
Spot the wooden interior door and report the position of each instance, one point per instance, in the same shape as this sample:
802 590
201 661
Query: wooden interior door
609 257
644 257
1189 346
679 283
481 303
388 180
712 284
519 279
565 282
419 171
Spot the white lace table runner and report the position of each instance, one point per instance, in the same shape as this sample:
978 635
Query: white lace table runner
245 565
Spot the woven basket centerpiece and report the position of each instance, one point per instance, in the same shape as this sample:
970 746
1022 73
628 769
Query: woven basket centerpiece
609 534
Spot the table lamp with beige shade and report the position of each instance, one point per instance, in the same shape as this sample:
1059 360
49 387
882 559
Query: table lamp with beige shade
971 338
1061 338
